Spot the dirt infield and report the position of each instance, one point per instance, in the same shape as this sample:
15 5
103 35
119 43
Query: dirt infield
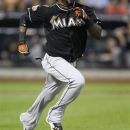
5 80
36 75
43 80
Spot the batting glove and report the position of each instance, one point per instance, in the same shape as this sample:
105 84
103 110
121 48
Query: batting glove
23 48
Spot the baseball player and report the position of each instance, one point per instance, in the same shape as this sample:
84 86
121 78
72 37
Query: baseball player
67 23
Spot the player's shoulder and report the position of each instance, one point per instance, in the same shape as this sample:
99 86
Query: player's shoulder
50 8
44 8
35 7
39 7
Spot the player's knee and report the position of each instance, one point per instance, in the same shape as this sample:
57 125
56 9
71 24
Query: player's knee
79 81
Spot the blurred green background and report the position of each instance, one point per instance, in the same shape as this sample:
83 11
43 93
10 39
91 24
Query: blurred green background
100 106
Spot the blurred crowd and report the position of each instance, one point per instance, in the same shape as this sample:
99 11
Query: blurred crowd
104 6
113 50
110 6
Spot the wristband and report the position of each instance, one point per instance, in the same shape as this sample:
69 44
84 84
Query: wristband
21 36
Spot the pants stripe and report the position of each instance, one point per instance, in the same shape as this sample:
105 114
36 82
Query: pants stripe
66 90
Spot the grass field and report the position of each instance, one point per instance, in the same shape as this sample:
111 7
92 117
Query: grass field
100 106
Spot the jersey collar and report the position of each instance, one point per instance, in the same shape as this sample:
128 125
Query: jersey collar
64 8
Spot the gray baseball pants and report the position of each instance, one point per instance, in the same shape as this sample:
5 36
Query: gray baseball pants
60 73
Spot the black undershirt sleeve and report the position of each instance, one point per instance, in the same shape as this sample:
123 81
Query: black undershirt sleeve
24 20
23 24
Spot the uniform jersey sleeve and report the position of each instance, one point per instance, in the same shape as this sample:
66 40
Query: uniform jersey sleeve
37 13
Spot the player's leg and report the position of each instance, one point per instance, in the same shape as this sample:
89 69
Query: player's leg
65 72
51 89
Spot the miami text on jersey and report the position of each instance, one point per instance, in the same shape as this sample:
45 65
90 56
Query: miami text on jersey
58 22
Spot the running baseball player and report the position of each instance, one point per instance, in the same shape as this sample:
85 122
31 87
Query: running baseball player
67 23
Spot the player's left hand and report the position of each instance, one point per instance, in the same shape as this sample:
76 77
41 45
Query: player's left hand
23 48
80 13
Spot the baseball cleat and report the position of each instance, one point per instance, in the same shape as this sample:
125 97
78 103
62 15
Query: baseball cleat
26 129
22 118
55 126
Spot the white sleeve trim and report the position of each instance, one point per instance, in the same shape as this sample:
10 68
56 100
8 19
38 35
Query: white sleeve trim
29 14
46 5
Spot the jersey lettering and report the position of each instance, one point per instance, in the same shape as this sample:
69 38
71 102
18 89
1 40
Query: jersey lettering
71 22
58 22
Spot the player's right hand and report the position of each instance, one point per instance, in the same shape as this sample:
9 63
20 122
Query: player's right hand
80 13
23 48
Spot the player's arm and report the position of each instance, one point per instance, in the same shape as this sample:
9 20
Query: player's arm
22 46
95 29
93 22
34 15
